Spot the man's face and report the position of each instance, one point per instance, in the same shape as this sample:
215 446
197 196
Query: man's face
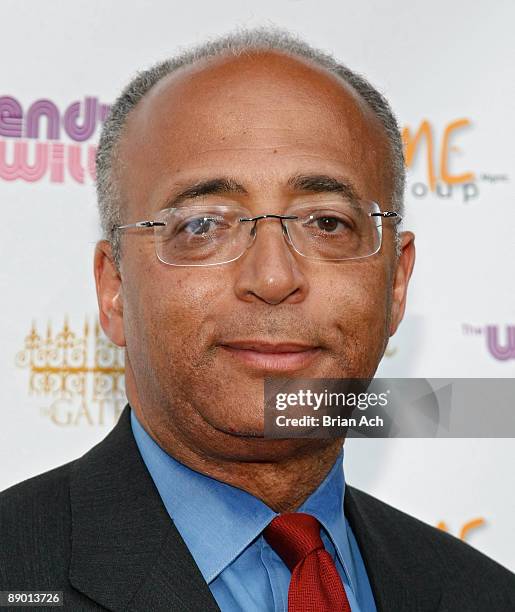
191 332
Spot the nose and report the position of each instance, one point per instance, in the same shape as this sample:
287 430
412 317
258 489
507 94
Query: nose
269 271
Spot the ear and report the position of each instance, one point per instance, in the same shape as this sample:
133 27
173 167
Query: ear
109 293
404 268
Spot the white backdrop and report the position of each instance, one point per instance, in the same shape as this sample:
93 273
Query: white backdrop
445 67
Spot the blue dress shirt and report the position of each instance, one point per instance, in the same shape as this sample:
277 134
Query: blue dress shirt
222 527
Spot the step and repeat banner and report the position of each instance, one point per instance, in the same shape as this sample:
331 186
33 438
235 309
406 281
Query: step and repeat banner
447 70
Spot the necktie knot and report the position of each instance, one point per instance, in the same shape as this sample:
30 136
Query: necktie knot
315 585
293 536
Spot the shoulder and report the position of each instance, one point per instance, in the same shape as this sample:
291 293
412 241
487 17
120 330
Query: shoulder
43 493
415 546
34 518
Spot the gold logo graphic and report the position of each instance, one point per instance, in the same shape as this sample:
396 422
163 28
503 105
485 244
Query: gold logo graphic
82 375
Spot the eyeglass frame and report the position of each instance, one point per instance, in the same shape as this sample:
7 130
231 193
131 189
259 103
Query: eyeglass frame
387 214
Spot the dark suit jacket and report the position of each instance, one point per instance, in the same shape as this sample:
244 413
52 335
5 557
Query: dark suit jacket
96 529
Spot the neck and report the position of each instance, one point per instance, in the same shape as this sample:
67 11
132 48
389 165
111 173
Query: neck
282 483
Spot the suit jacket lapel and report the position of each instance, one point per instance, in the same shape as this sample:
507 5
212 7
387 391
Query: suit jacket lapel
391 589
126 552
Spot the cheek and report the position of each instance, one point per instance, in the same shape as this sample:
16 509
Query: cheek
360 292
358 303
171 307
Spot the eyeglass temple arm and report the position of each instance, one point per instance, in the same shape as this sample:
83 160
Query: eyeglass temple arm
138 224
386 214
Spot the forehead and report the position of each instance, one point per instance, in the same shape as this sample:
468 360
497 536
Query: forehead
255 113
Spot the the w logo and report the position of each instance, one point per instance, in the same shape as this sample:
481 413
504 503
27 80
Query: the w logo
500 349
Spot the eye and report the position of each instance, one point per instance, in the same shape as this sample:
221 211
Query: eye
199 225
327 223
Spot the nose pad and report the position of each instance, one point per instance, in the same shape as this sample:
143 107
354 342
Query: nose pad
252 234
286 233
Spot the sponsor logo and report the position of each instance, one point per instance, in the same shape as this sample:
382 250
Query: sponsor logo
80 375
466 528
45 142
437 179
500 343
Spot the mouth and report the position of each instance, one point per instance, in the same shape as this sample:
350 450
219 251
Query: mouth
272 356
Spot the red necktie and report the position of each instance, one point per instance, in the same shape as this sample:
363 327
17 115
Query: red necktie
315 584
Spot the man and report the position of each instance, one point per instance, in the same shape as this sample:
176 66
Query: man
232 184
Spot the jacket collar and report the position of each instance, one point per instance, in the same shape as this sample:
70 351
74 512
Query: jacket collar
126 552
381 541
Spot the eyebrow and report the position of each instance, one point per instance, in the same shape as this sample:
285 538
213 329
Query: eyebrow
323 183
209 187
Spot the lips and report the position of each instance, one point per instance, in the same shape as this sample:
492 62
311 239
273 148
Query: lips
269 347
272 356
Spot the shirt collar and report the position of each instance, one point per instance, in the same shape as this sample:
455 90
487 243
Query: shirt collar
218 521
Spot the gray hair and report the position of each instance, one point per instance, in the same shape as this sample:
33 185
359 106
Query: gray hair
240 42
